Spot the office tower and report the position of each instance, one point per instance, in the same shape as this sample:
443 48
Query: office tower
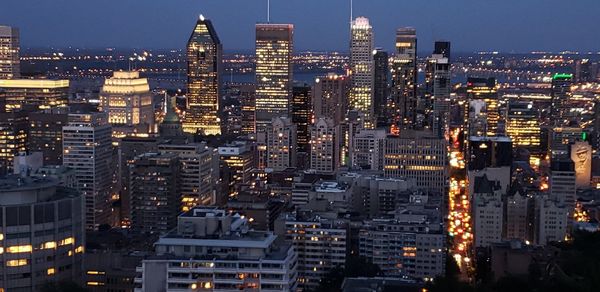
361 67
36 93
13 133
238 161
319 242
330 95
551 220
366 151
438 87
302 115
56 215
419 156
247 98
127 100
563 184
323 151
215 251
154 187
484 92
281 144
274 68
583 71
380 86
171 127
485 152
523 124
442 48
45 134
199 172
412 246
129 149
347 130
87 148
374 195
10 65
404 77
562 137
204 53
561 93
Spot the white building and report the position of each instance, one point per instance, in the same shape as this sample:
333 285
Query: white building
366 150
319 242
281 144
87 149
551 219
212 250
487 212
323 151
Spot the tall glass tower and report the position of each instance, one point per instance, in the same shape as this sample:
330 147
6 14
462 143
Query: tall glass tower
404 76
204 59
274 49
361 65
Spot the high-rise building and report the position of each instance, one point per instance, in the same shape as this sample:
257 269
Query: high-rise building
583 71
87 148
154 188
37 93
274 81
523 124
45 134
281 144
487 211
323 151
10 65
213 250
419 156
561 95
199 172
130 148
487 152
247 98
438 87
563 184
204 53
380 86
302 115
485 91
238 159
54 251
551 220
13 138
330 96
366 151
319 242
361 67
127 100
404 77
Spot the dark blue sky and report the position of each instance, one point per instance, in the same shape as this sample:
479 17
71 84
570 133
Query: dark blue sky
505 25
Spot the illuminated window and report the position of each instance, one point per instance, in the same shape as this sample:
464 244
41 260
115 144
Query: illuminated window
48 245
16 263
50 271
68 240
95 284
18 248
79 249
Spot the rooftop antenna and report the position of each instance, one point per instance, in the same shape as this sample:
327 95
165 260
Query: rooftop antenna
351 11
268 11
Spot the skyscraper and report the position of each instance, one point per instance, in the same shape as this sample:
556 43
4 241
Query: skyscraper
380 86
274 49
10 66
302 115
45 134
484 89
323 153
13 133
127 100
561 93
330 94
404 76
36 93
523 124
281 144
204 53
361 66
442 48
87 148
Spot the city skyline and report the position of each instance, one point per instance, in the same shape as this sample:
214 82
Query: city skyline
470 25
